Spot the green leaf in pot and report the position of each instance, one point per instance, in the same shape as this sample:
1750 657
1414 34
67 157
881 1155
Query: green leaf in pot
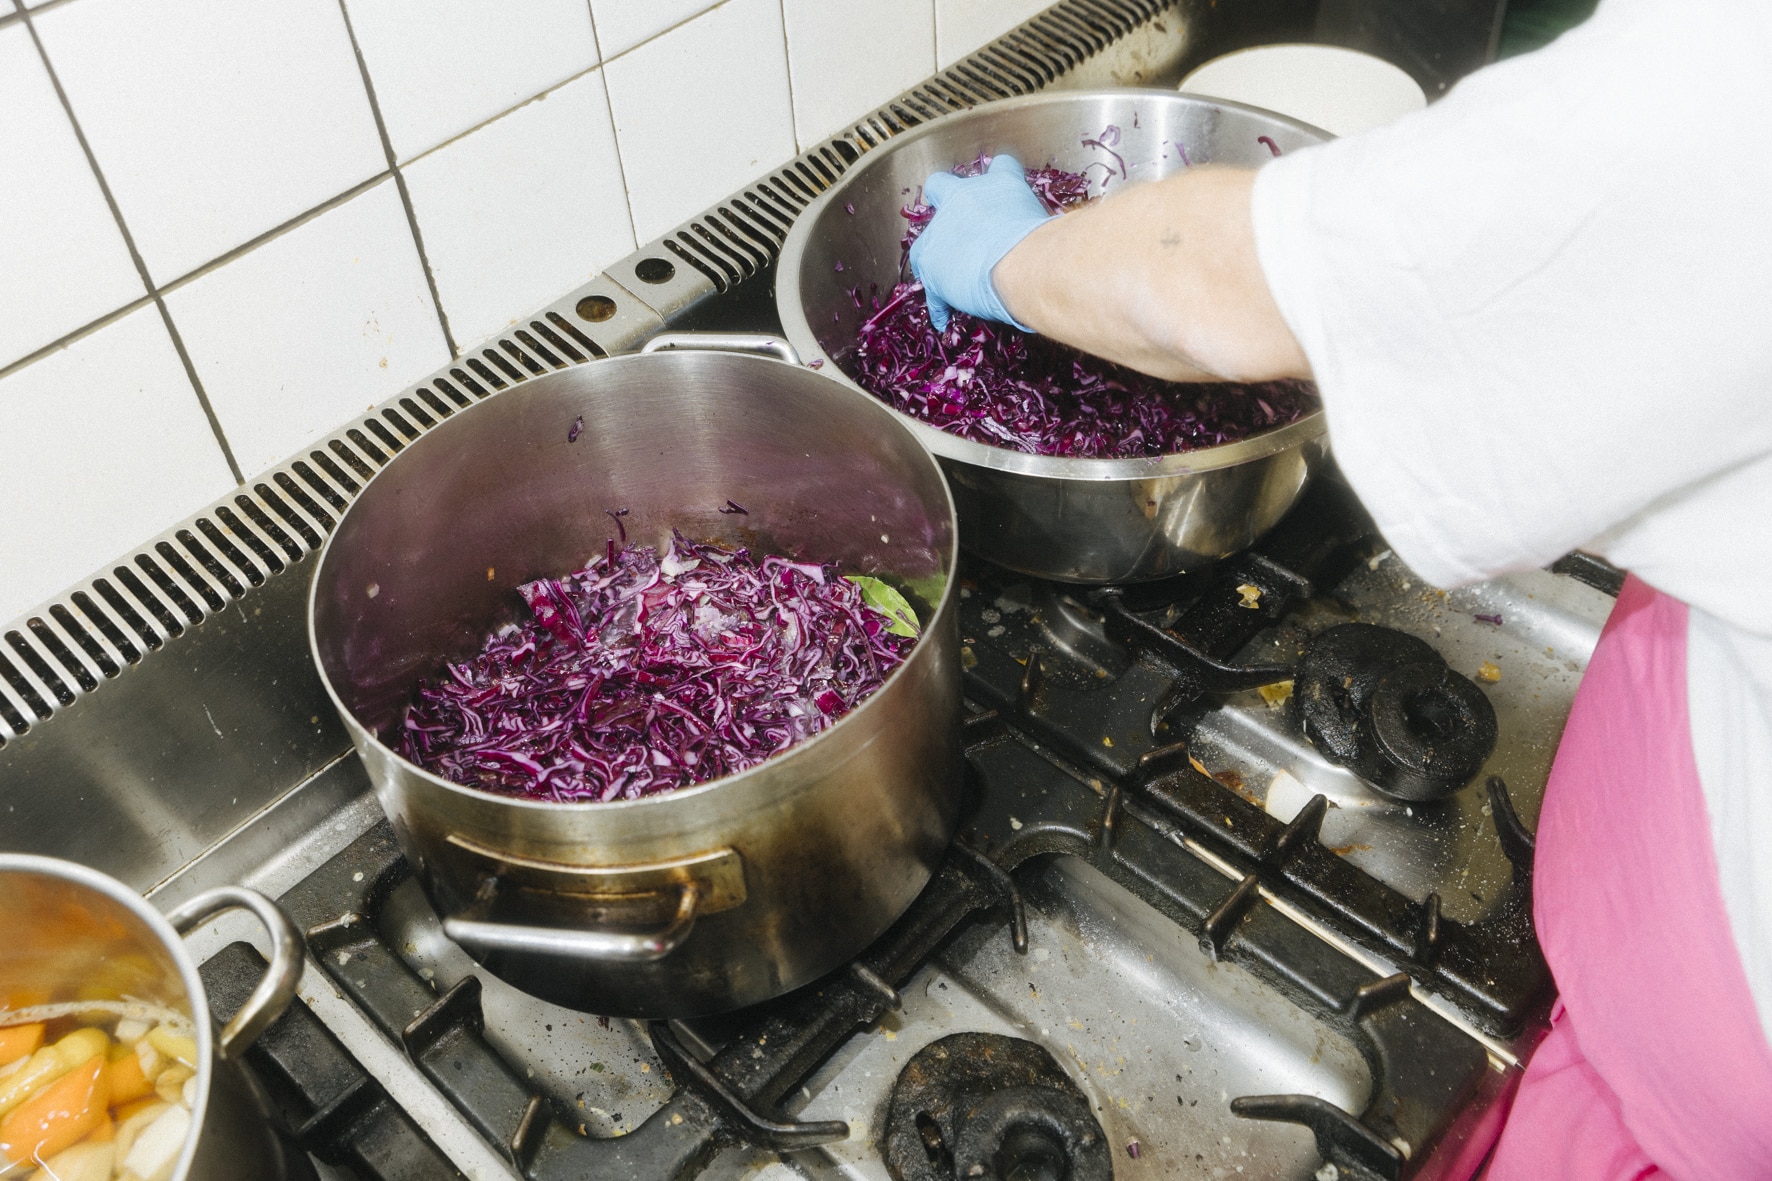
902 621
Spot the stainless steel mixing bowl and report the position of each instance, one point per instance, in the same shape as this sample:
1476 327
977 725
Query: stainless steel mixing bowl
1075 520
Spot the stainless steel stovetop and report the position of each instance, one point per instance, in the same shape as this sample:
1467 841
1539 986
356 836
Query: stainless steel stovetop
1199 927
1159 1011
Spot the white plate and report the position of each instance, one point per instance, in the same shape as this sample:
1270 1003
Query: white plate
1340 90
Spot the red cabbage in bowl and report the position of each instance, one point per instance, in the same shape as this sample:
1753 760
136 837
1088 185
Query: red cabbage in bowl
994 384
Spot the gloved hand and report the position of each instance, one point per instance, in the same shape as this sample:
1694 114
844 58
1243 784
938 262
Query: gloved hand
978 220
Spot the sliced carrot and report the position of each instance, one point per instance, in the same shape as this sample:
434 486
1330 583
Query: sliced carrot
104 1133
58 1117
128 1111
18 1040
128 1083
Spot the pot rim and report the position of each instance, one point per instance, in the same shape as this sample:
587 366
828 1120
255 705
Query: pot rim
203 1024
797 326
695 790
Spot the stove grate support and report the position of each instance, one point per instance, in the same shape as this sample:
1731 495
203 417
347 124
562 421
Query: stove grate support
1492 969
1424 1069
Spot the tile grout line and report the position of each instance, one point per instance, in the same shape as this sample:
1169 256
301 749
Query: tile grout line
621 164
194 274
85 330
510 110
141 266
935 35
694 16
787 65
276 231
621 168
387 144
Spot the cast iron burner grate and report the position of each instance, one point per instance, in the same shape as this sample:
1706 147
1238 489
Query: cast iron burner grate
1131 732
1063 759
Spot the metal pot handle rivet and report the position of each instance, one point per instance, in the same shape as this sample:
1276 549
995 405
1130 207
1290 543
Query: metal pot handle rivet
573 944
722 342
281 978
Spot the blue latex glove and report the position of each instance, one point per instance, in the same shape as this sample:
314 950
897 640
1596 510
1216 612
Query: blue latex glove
978 220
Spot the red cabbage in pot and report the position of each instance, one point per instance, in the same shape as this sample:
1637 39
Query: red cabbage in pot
995 384
641 674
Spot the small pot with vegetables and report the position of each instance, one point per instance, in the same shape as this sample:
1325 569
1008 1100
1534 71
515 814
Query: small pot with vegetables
110 1068
654 664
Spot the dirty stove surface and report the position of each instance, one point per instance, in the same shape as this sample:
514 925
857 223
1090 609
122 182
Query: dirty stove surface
1172 940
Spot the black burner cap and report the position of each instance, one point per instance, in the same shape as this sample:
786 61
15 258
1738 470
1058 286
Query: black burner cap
1388 707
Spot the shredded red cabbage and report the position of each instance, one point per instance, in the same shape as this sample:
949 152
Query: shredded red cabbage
995 384
640 674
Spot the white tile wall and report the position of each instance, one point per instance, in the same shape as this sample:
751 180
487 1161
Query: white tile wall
105 446
443 66
623 24
701 110
62 258
312 328
240 143
846 57
963 25
503 236
213 120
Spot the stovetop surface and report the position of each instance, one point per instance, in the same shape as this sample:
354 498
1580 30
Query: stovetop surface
1199 929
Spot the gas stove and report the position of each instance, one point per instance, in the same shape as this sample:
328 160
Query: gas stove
1184 942
1174 937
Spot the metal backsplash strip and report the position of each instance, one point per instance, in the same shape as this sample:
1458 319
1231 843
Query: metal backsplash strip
168 698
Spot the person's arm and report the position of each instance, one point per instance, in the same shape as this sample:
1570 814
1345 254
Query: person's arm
1162 277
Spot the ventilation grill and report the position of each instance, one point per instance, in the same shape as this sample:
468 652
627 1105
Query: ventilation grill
113 620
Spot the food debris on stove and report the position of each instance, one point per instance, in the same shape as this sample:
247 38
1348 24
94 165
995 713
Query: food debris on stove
1277 694
1489 672
1251 596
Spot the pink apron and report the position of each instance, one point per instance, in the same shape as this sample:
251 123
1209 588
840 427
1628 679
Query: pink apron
1656 1064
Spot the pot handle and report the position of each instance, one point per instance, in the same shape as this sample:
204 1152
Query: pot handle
722 342
576 944
281 978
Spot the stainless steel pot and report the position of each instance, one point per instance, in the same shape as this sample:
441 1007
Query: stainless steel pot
1075 520
718 895
70 933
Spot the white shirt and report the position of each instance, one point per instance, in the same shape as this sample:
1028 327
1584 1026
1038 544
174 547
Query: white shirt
1540 315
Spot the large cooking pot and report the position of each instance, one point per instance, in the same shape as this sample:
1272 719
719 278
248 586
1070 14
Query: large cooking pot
1075 520
718 895
69 933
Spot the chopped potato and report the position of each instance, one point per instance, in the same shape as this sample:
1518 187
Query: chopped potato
156 1149
83 1162
171 1083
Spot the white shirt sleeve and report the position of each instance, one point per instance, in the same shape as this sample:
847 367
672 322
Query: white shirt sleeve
1540 315
1543 306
